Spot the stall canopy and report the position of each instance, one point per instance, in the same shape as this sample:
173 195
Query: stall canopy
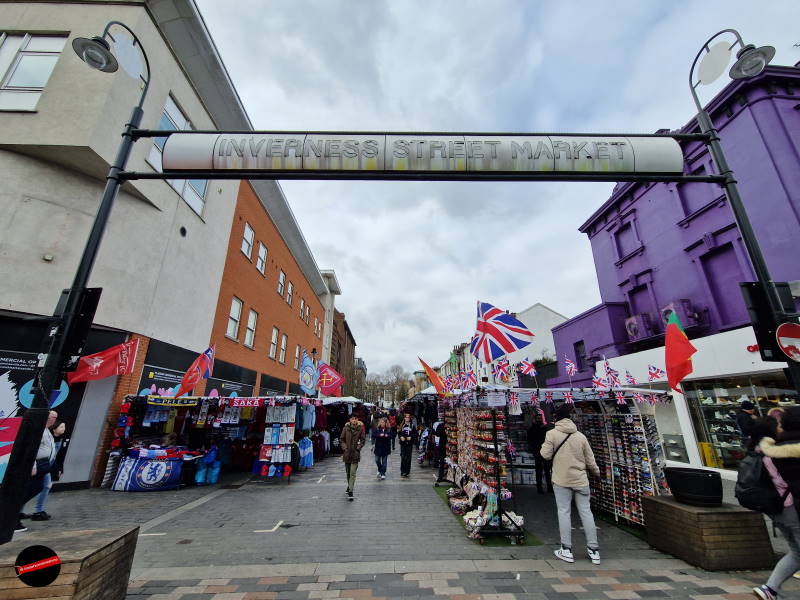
341 399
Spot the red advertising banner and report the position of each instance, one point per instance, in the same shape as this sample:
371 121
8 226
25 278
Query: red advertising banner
8 433
244 402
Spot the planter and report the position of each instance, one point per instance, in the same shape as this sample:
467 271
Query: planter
696 487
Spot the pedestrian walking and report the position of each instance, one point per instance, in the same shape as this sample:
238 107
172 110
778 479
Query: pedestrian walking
544 468
782 461
352 440
572 457
441 449
407 436
393 426
382 435
45 457
745 419
54 474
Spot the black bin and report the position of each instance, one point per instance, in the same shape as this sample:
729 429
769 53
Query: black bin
697 487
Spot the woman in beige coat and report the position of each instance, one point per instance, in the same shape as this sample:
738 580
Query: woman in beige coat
572 457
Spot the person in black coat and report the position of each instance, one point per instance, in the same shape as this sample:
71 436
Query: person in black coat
746 419
407 436
382 436
544 468
441 449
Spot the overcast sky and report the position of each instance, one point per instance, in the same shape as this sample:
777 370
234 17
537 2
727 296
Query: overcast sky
413 258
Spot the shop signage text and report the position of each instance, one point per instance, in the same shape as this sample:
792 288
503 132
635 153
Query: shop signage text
423 153
170 401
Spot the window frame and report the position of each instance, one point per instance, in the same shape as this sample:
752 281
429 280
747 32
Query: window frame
185 188
302 307
273 345
237 320
251 333
281 283
14 62
250 242
297 357
289 293
284 344
308 315
261 263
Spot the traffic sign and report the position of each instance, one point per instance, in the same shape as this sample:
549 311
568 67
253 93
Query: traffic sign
788 335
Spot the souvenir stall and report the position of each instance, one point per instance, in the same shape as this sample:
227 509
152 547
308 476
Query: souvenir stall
165 442
338 410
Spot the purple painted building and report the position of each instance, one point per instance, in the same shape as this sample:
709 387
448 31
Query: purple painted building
660 247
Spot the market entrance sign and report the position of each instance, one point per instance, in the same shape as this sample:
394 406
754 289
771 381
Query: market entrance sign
448 156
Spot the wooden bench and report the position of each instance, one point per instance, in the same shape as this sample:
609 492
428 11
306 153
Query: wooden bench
727 537
95 564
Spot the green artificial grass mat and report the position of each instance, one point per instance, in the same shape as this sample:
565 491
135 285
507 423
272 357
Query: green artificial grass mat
635 530
530 539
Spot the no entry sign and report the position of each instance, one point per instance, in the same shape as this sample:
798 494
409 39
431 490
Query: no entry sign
788 335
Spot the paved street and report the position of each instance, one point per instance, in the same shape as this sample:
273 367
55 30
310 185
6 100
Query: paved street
396 539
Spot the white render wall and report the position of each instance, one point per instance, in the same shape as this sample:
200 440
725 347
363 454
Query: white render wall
155 282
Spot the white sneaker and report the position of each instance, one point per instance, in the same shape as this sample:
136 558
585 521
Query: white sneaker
564 554
594 555
383 477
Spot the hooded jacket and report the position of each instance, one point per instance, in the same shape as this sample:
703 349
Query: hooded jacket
352 440
785 456
573 459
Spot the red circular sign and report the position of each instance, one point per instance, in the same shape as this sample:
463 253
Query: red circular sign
788 335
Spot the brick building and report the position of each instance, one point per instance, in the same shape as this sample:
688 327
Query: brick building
343 345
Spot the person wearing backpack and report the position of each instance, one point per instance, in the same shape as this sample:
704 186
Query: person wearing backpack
572 457
782 461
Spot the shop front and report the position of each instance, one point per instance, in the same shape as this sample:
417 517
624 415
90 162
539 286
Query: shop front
699 427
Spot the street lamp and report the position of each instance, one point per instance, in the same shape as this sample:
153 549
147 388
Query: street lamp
750 62
64 326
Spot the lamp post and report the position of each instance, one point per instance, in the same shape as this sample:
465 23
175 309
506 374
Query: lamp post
750 62
64 325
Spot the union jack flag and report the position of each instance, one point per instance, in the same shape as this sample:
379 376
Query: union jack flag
526 367
652 399
570 366
498 334
503 367
638 397
472 379
599 382
448 384
535 397
462 380
629 378
620 397
654 373
612 376
548 397
568 398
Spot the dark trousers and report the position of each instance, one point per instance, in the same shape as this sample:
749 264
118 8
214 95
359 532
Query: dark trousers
405 458
442 466
544 471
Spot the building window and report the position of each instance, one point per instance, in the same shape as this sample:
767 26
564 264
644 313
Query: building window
308 315
234 317
580 355
316 326
193 191
289 290
250 334
247 240
26 62
302 307
297 356
282 357
273 346
261 261
281 283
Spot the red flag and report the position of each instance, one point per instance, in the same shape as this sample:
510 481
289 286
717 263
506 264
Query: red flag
116 360
329 380
436 380
201 368
678 352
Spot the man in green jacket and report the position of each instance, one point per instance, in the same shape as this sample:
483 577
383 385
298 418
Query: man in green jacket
572 457
352 440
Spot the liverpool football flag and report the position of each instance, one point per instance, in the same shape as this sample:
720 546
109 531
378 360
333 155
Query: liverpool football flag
329 380
436 380
678 352
116 360
201 368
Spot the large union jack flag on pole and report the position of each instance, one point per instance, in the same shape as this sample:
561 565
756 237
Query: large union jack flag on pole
472 379
498 334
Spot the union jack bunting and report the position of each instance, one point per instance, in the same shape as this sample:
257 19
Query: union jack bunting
629 378
652 399
599 383
654 373
620 397
638 397
526 367
612 376
462 380
548 397
535 397
568 398
570 366
498 334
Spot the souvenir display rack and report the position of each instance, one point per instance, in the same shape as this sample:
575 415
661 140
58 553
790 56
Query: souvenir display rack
275 457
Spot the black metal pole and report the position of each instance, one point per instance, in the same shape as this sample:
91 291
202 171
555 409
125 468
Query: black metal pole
48 377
